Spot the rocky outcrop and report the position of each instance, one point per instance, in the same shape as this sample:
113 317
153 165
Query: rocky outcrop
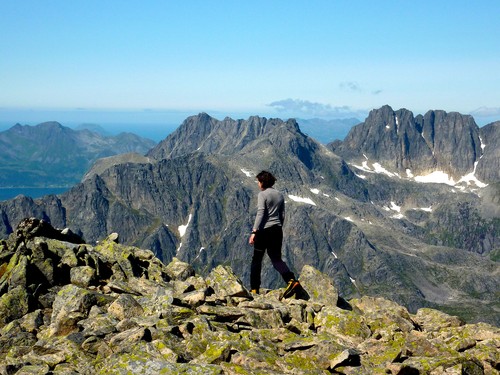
488 166
110 308
208 135
437 141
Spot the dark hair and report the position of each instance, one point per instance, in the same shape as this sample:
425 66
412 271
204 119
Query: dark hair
266 179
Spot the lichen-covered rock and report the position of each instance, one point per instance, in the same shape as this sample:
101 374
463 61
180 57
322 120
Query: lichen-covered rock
344 324
13 305
179 270
82 276
33 370
100 325
382 313
71 305
434 320
225 283
32 321
129 315
319 287
125 306
121 342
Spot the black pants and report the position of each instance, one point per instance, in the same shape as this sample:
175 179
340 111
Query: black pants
270 239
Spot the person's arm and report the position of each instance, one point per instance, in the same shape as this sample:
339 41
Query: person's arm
282 213
259 217
261 209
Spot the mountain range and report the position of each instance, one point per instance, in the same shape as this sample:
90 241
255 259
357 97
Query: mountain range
50 154
367 211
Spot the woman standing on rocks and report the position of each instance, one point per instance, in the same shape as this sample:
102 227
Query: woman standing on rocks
267 234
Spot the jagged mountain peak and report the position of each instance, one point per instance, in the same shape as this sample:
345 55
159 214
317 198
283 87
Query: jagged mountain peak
437 142
488 168
208 135
46 126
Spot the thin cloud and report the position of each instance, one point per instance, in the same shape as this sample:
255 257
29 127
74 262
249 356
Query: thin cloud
350 86
486 111
301 108
376 92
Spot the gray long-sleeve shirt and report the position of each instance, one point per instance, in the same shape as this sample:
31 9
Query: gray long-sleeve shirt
270 209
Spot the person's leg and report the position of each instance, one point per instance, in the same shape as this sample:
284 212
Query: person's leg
256 268
275 242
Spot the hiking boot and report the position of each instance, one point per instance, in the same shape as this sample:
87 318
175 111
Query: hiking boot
255 291
290 289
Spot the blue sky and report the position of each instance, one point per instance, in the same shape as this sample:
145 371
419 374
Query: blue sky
159 60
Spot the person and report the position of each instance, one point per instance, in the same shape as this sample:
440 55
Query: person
267 234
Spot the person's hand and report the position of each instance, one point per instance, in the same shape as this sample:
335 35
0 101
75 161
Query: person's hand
251 240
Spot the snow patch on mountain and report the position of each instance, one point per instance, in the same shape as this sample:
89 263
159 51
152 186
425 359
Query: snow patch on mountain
301 200
247 173
182 228
435 177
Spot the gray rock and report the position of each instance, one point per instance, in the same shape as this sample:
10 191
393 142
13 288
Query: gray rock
13 305
124 340
34 370
82 276
225 283
318 286
100 325
71 305
179 270
138 324
125 306
433 320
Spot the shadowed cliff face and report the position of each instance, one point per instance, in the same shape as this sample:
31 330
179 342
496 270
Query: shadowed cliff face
71 307
436 141
489 165
194 198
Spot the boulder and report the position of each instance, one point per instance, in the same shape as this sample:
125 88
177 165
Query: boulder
125 306
381 313
318 286
82 276
71 305
433 320
178 270
225 283
13 305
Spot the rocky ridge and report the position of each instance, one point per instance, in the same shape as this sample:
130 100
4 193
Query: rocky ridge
193 197
410 145
67 307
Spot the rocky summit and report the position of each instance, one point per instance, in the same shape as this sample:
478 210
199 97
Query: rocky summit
406 208
67 307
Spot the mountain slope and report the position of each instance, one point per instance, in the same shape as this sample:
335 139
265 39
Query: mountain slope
449 143
195 198
50 154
